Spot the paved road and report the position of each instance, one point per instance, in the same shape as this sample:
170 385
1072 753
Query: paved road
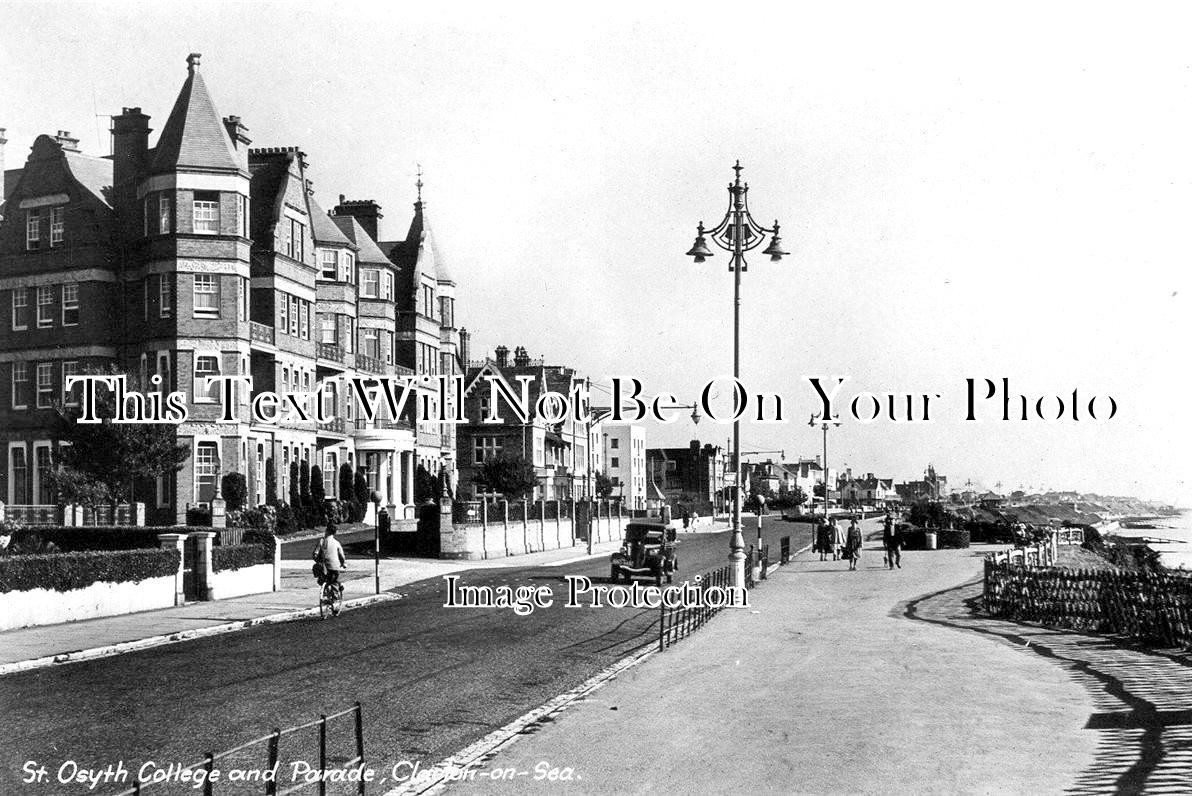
431 679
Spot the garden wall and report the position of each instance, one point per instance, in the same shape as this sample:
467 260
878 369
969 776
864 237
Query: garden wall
50 588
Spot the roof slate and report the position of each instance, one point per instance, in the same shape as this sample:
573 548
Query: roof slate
194 134
323 228
369 251
94 174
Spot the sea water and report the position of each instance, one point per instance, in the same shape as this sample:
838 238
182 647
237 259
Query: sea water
1172 535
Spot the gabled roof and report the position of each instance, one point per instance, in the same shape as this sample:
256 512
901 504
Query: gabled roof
194 135
369 251
94 174
324 229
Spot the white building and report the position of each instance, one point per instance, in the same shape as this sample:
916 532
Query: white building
625 462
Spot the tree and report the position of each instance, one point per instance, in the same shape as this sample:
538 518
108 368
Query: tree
270 483
295 496
345 481
304 491
234 489
317 495
74 486
426 486
604 486
360 494
117 454
512 476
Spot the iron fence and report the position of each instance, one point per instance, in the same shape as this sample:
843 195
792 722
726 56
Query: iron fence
235 759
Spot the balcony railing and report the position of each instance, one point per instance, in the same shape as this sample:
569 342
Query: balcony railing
389 424
331 352
260 333
370 364
335 425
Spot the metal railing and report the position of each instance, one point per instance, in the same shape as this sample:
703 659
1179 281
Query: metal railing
335 425
370 364
273 785
679 623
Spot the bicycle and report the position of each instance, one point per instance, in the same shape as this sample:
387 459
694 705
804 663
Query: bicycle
331 598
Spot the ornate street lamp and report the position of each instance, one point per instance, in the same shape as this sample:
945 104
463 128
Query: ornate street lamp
825 424
737 233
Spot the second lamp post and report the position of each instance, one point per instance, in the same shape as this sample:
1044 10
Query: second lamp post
737 233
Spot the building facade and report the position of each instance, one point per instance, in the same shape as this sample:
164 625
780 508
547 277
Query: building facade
625 462
199 257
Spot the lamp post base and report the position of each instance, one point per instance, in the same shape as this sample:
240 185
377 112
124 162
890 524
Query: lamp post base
736 561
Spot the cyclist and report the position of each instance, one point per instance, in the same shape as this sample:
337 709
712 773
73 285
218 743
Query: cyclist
330 553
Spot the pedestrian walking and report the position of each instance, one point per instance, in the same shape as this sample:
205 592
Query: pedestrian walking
892 541
853 544
838 540
825 541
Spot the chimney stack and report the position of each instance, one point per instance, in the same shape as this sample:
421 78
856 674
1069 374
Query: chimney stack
365 211
465 344
502 356
130 145
520 358
66 141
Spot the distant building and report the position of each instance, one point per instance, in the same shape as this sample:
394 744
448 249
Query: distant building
693 476
931 487
559 451
625 462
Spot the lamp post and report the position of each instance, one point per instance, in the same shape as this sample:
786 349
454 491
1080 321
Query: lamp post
737 233
375 497
825 424
762 498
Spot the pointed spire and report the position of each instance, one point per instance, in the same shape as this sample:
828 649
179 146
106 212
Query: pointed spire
194 135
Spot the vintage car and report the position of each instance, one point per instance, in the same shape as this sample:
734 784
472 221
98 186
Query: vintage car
648 549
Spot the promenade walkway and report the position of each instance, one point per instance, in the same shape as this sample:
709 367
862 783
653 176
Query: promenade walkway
870 682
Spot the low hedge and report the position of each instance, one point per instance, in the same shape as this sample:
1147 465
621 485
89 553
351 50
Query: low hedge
952 540
77 570
240 556
82 538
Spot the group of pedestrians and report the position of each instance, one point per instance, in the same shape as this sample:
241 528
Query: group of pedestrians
832 540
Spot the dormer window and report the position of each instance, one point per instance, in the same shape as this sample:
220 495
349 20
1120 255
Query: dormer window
206 213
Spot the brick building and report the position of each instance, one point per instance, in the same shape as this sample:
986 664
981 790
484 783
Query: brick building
199 257
562 453
693 476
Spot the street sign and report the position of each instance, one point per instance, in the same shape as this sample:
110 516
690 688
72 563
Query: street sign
730 479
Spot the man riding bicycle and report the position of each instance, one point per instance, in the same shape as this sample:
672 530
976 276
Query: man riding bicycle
330 554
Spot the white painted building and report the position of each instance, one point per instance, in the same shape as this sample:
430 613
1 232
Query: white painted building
625 462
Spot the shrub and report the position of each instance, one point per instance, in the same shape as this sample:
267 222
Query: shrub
295 503
318 497
73 539
304 494
360 495
345 481
240 556
287 521
953 540
77 570
270 483
253 518
234 489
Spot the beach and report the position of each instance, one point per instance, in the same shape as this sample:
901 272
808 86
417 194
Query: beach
1176 531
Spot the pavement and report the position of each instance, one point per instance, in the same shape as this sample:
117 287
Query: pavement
48 645
873 681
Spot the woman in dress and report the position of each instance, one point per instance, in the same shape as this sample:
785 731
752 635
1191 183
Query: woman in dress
853 544
824 542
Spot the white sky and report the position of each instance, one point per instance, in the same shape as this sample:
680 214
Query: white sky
965 192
